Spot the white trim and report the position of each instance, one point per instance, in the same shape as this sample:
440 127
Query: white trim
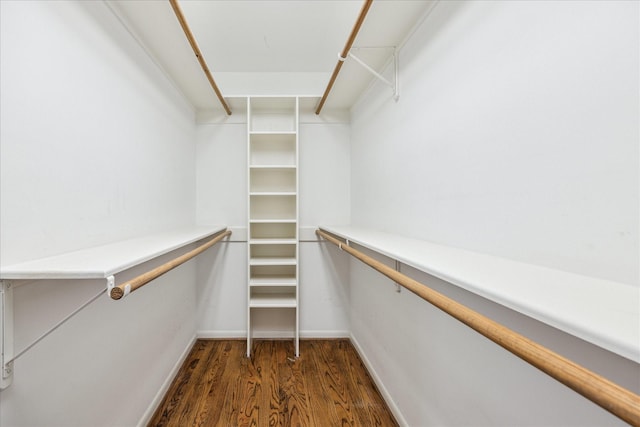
325 334
209 334
378 381
157 399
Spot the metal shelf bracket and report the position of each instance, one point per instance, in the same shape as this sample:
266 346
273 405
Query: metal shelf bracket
397 268
7 351
395 86
6 333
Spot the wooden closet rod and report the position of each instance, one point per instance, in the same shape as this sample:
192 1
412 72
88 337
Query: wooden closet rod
345 52
127 287
198 53
610 396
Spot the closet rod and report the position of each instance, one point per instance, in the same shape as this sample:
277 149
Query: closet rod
345 52
619 401
198 53
129 286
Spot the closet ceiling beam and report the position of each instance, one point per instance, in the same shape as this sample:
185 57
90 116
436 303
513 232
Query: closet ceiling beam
196 50
345 52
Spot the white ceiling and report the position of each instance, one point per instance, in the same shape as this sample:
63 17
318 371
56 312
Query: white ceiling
269 46
270 36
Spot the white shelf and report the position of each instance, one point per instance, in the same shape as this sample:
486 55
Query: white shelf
273 241
268 300
273 221
279 166
269 219
602 312
272 281
272 261
272 132
273 193
103 261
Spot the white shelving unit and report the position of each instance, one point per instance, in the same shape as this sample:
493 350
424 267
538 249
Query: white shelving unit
272 256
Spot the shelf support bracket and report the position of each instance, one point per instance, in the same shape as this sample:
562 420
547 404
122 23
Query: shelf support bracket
397 268
6 333
393 85
111 283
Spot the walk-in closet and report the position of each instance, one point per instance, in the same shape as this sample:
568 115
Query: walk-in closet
319 213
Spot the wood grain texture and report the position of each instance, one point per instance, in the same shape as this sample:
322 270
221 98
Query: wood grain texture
326 386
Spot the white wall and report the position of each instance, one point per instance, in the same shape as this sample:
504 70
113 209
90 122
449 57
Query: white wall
516 134
96 146
222 199
325 191
438 372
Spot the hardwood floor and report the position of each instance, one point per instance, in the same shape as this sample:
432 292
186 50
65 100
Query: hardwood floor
326 386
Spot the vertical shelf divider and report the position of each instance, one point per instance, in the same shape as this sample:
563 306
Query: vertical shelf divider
272 212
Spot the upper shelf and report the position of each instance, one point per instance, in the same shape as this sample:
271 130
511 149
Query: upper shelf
601 312
103 261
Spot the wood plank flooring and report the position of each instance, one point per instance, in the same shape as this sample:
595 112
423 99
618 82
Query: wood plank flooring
326 386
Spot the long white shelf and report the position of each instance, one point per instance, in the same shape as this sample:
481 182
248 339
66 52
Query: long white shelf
602 312
102 261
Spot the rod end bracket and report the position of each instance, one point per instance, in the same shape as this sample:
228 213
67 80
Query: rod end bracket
111 283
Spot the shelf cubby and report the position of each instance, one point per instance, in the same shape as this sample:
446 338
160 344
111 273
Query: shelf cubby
273 297
273 114
264 180
274 270
272 149
268 250
272 230
273 208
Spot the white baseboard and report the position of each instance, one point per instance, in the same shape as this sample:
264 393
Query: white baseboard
231 335
325 334
376 379
271 334
157 400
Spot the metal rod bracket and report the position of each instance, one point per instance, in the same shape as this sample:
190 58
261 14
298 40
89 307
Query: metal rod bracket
397 268
111 283
393 85
6 333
